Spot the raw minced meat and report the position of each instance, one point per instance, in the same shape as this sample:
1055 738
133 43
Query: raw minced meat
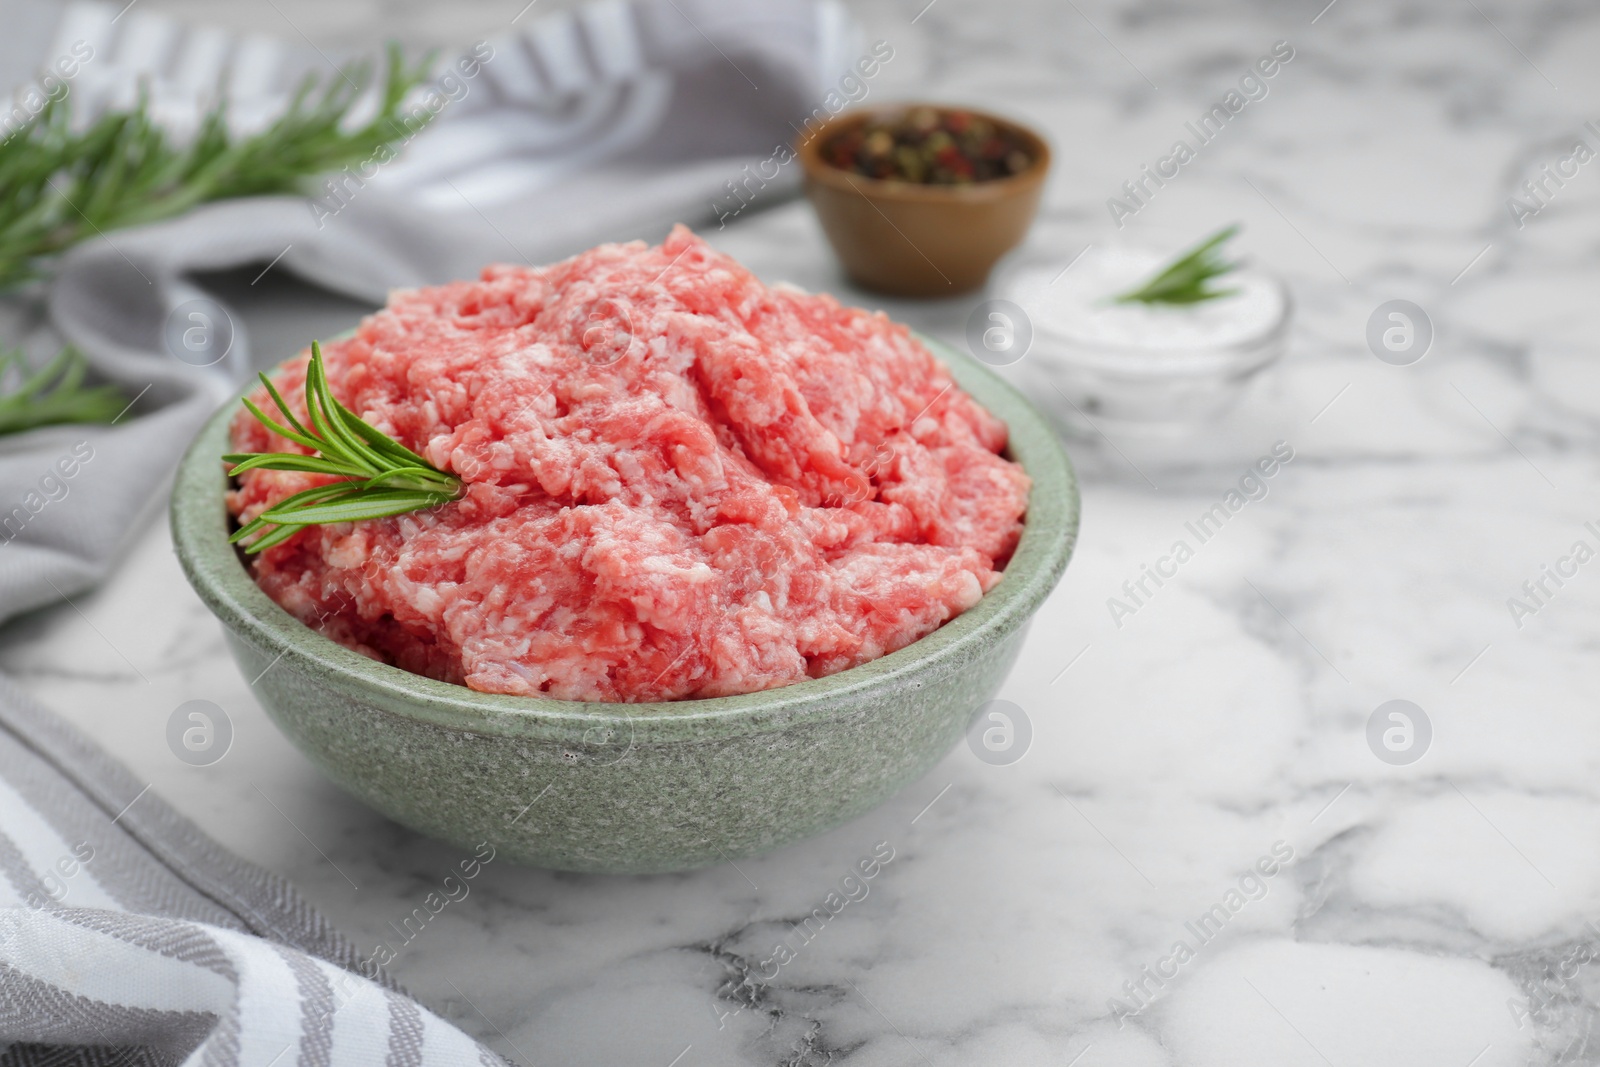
680 482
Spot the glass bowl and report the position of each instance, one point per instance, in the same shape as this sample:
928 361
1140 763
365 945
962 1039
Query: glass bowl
1176 376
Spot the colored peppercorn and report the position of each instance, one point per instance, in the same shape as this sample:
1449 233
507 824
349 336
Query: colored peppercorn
929 146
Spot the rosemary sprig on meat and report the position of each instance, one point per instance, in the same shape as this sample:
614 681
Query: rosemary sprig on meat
380 476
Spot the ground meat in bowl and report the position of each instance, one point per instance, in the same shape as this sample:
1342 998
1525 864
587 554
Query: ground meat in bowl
680 482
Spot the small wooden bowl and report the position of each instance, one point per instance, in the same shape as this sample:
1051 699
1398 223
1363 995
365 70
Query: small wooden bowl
911 239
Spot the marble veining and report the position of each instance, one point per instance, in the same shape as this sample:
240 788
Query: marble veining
1437 912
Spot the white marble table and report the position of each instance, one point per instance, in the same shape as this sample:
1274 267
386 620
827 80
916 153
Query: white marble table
1226 719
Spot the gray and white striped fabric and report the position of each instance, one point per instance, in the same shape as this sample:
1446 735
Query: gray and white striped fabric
126 936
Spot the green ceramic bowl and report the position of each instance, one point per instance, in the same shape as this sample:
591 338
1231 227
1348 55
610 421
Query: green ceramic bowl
631 787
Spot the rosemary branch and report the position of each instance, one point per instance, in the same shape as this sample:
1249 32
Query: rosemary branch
382 476
1184 280
53 394
62 185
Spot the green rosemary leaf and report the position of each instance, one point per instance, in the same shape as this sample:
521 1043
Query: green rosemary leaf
53 394
287 461
418 479
357 507
323 425
277 398
303 498
1183 281
302 437
65 368
380 477
275 536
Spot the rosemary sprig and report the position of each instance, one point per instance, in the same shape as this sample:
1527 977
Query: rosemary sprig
62 186
53 394
1183 281
382 476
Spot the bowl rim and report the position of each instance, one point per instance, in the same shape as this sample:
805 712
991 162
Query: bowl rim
215 571
808 147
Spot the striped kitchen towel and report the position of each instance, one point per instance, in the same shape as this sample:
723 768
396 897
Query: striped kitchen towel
129 937
126 936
